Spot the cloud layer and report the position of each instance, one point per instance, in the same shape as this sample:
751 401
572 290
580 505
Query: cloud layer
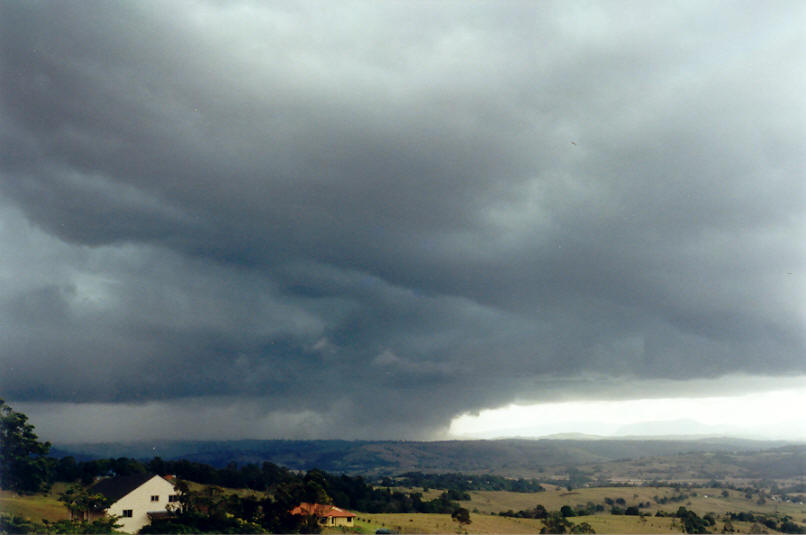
384 215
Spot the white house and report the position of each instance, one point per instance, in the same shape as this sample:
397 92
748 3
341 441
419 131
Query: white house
134 497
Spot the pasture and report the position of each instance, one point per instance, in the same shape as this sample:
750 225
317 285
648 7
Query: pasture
34 507
484 524
701 500
485 507
442 523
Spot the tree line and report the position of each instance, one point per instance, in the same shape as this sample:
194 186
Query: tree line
26 468
463 482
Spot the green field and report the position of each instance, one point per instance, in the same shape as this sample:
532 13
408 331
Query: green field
706 500
34 507
480 523
485 506
433 523
198 487
361 526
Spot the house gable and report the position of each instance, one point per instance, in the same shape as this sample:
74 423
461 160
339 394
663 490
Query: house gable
116 488
132 501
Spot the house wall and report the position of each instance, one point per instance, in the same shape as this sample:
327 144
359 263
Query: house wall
344 521
87 516
139 501
336 521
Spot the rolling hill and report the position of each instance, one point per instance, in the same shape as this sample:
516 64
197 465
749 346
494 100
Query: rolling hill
512 457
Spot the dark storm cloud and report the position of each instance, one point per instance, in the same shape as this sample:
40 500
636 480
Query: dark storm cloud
387 215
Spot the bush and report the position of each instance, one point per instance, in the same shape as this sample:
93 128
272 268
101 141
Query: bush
583 527
555 523
692 523
167 527
16 524
790 527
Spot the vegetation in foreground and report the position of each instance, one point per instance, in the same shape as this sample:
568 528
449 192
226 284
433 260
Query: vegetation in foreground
212 509
264 495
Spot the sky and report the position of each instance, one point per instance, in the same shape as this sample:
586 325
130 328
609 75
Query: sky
392 219
760 415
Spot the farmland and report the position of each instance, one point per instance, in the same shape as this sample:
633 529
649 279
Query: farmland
34 507
696 491
486 508
481 523
699 499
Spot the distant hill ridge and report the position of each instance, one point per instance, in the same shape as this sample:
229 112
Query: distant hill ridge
515 457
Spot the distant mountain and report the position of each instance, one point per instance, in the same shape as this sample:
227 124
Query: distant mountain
515 457
682 428
575 436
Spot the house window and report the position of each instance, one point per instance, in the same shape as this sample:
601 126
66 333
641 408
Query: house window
127 513
173 498
155 498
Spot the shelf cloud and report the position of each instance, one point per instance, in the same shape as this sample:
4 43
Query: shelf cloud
367 219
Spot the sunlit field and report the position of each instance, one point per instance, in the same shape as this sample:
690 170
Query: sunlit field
706 500
437 523
486 506
34 507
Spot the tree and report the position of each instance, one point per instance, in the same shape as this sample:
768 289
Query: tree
555 523
23 462
80 501
66 469
461 515
583 527
315 483
567 510
210 510
13 523
692 523
310 524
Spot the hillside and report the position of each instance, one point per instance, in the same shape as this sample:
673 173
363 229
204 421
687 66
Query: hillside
516 457
784 463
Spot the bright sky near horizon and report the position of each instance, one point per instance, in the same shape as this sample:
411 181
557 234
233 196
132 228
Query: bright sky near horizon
777 414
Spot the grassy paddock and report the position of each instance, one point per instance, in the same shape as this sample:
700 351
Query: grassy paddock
409 523
35 507
442 523
497 501
360 526
226 491
628 524
484 524
431 494
47 506
707 500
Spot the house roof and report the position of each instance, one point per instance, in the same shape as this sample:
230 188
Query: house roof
320 510
116 488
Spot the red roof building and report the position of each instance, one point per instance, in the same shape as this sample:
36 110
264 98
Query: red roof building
327 515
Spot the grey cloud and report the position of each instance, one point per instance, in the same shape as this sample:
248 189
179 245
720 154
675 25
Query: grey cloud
265 200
